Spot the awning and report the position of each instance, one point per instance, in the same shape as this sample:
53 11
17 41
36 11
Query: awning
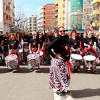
95 4
78 31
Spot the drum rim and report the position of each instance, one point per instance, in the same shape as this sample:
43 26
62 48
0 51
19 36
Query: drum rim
90 57
76 55
10 55
31 56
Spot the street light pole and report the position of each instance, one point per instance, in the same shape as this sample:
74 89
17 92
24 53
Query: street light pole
9 2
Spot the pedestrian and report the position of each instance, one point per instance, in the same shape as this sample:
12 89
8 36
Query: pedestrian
60 65
33 48
13 48
75 49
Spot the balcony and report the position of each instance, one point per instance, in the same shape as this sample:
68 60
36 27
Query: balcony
56 15
56 8
98 24
95 1
96 12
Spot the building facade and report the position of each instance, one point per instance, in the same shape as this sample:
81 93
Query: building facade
40 19
68 14
32 24
6 15
96 14
60 12
76 13
49 17
87 14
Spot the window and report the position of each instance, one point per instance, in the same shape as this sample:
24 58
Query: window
53 11
5 16
53 17
4 6
53 7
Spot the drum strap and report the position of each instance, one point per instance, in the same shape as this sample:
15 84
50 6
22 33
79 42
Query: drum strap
69 68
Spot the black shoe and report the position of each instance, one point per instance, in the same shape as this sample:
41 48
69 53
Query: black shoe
10 70
60 93
38 68
31 69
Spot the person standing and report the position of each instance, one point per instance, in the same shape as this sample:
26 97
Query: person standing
13 47
60 65
33 48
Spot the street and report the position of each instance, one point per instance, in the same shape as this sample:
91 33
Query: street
27 85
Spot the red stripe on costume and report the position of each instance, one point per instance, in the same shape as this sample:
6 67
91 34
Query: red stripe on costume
69 68
80 45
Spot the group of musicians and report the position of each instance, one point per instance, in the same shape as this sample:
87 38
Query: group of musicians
57 48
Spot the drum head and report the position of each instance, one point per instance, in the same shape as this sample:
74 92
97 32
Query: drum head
32 56
76 56
26 50
89 58
11 57
41 53
20 50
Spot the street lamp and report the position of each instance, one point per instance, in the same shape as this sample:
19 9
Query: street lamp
9 2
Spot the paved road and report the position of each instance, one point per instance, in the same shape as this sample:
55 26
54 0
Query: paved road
28 85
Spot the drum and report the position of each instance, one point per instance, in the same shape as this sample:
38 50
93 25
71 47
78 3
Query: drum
1 57
76 56
11 61
20 54
89 62
75 60
41 57
89 58
26 52
33 60
41 53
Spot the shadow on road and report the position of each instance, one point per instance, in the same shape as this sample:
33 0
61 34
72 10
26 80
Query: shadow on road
84 72
4 70
85 93
43 70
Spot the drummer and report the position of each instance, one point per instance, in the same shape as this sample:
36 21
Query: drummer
41 45
90 55
83 41
1 43
75 49
60 70
98 46
13 47
33 46
33 43
5 44
91 40
25 46
74 42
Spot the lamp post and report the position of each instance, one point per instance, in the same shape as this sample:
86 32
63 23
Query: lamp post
9 2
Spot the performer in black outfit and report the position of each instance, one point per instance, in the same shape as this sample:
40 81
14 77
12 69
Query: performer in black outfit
83 41
60 70
91 41
75 49
25 47
5 44
41 46
74 42
13 47
33 44
33 47
1 43
98 47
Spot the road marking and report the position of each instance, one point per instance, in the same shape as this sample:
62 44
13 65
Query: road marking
56 97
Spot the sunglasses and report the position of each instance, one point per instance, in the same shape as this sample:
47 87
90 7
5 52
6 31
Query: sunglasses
62 31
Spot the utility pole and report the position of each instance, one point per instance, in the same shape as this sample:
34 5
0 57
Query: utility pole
9 2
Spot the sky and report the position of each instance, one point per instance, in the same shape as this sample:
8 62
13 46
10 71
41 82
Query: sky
29 7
